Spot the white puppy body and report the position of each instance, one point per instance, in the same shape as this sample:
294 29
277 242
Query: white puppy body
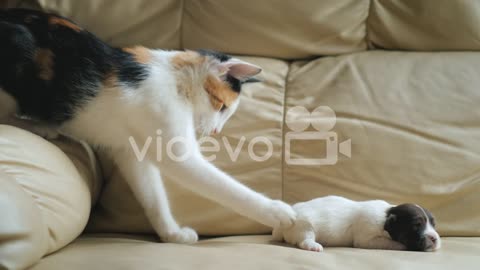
340 222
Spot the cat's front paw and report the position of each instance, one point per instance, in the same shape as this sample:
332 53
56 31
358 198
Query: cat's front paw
281 214
182 235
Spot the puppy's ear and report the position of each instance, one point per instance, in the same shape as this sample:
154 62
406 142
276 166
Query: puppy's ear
389 222
430 217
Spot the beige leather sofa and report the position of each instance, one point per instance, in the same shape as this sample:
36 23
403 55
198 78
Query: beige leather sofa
403 80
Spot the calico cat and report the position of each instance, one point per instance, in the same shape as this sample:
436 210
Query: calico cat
56 76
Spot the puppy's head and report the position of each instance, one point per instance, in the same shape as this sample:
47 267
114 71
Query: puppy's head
412 226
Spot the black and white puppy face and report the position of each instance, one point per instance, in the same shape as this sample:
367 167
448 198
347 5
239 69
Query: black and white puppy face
412 226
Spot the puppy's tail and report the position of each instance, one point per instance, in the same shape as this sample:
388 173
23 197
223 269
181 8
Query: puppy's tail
277 234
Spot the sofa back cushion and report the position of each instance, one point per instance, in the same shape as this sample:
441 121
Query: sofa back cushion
150 23
414 127
425 25
275 28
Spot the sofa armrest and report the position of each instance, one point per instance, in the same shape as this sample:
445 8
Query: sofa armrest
22 239
46 192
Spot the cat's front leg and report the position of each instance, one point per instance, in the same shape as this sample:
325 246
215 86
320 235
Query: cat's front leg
145 181
200 176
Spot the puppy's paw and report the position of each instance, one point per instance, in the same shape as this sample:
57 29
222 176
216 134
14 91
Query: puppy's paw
309 244
182 235
397 246
281 214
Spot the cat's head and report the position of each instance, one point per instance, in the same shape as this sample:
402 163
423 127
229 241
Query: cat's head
212 82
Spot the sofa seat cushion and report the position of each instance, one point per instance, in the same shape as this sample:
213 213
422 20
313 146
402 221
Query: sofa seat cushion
248 252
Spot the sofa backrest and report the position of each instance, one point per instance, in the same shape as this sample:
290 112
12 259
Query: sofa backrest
278 28
412 117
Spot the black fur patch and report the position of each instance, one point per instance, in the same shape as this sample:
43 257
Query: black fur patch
70 71
406 224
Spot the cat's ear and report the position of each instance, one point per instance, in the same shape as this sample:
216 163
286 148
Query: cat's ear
239 69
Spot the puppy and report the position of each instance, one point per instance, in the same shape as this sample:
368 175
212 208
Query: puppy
337 221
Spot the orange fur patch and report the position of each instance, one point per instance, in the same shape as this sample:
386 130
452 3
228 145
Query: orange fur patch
64 22
183 60
44 60
220 93
142 55
186 59
216 102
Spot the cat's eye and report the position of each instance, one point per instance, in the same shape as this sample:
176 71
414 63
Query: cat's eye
223 108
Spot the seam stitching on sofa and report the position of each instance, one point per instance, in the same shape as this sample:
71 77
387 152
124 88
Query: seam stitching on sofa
182 16
282 171
367 32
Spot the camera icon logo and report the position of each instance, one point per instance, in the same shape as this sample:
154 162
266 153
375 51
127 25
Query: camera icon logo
323 119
